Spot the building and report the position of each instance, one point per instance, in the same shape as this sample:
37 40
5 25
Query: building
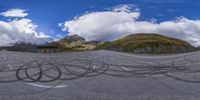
47 49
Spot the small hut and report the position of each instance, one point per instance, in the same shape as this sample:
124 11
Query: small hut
47 49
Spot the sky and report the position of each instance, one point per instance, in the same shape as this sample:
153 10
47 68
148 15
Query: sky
41 21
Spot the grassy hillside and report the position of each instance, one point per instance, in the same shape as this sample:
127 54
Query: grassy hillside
147 43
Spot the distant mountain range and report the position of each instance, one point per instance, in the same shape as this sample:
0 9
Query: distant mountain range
27 47
136 43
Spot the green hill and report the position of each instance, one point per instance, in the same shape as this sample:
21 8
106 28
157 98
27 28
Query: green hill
147 43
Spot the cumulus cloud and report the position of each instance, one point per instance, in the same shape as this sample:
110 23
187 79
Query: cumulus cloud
116 23
15 13
20 30
100 25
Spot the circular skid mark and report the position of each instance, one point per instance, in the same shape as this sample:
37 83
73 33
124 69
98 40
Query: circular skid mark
36 72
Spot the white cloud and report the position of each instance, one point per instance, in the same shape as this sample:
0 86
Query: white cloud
60 24
20 30
110 25
15 13
125 8
59 36
99 25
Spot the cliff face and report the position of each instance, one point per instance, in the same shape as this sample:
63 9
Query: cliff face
73 43
147 43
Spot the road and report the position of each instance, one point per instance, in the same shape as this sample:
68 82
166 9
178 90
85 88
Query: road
99 75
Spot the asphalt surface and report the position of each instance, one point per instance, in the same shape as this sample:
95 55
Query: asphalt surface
99 75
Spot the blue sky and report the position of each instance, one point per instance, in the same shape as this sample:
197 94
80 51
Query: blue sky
47 14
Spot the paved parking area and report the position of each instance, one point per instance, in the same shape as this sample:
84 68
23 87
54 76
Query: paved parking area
99 75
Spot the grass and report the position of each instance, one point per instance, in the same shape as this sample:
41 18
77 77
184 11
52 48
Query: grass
149 43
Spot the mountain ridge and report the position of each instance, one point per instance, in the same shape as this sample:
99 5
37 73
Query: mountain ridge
134 43
147 43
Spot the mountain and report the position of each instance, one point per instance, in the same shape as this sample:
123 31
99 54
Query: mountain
147 43
136 43
73 43
27 47
72 38
93 42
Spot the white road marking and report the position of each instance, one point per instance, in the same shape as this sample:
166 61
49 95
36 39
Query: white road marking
93 67
47 86
9 65
125 68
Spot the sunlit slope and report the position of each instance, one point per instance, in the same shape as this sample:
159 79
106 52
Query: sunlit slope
73 43
147 43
